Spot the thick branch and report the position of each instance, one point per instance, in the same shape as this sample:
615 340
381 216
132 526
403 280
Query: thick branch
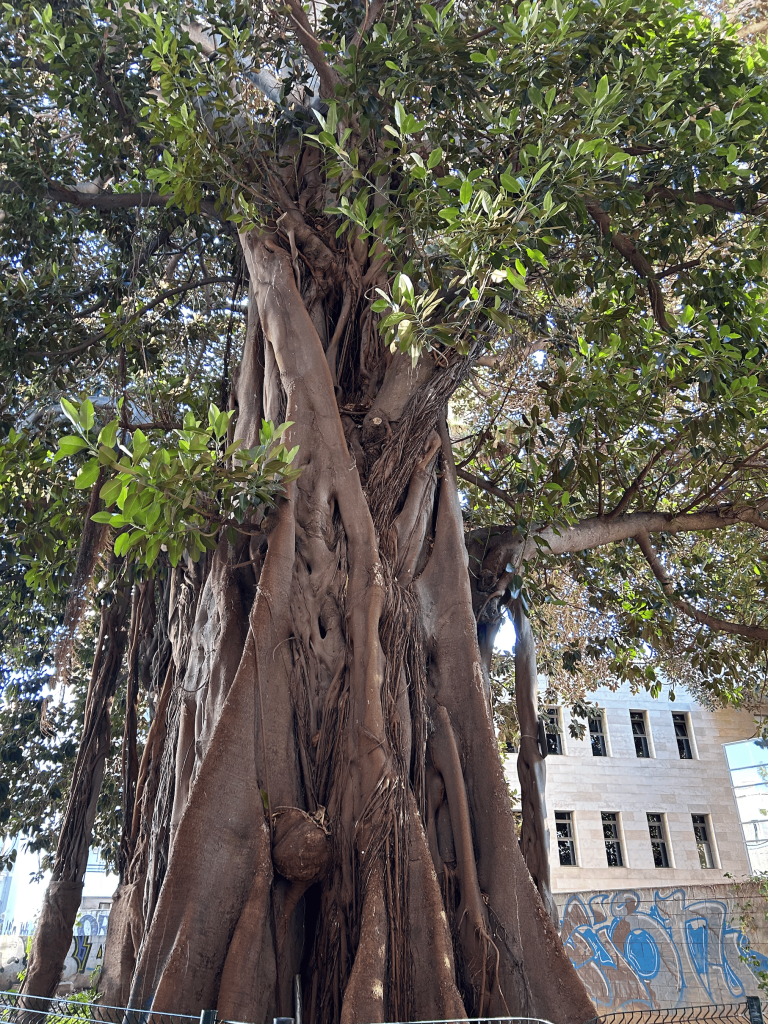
624 245
168 294
87 196
723 625
531 767
372 13
506 545
328 77
485 485
636 484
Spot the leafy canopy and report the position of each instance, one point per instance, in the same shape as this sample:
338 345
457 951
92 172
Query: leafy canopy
570 195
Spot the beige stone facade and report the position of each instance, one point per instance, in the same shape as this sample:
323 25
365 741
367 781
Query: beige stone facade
632 787
643 935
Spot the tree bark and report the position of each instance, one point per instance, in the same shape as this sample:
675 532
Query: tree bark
531 764
339 809
61 902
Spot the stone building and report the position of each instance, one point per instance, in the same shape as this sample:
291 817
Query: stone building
657 823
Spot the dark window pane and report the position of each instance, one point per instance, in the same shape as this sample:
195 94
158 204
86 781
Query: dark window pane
554 739
658 840
597 737
702 840
637 718
660 858
612 839
564 830
681 733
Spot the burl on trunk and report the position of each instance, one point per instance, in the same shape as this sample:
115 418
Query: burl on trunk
321 793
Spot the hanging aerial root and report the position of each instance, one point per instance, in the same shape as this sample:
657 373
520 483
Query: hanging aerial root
391 473
91 544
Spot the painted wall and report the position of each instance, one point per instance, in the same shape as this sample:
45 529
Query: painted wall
651 948
86 953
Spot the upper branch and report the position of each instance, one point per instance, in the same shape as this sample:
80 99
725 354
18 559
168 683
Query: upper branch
507 545
327 75
624 245
87 196
723 625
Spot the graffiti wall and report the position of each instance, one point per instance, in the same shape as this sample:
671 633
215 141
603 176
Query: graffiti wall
648 948
86 953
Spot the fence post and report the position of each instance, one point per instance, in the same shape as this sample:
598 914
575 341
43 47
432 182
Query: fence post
207 1017
297 997
754 1010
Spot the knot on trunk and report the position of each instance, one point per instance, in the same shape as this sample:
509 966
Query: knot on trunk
301 844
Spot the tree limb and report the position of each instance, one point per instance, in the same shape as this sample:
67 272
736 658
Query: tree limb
624 245
486 485
636 484
372 13
723 625
506 545
86 195
327 75
168 294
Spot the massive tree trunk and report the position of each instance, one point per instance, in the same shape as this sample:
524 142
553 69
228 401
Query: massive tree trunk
61 903
339 809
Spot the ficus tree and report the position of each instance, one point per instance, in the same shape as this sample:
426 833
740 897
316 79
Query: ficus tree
495 275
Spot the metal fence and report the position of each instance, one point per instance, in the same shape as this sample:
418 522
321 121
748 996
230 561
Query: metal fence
25 1009
746 1012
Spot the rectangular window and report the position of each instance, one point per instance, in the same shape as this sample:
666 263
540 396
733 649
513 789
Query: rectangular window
680 721
553 730
639 733
564 829
612 839
597 736
701 831
658 836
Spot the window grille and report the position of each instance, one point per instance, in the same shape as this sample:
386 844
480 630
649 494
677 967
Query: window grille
553 731
597 736
612 839
658 840
565 843
680 721
639 733
704 846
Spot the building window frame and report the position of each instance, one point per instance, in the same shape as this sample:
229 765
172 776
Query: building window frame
641 733
613 839
565 832
553 730
658 833
704 836
681 723
598 735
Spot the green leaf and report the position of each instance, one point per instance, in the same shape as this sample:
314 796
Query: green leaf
108 434
69 444
103 517
88 474
110 491
86 416
434 158
71 411
602 88
465 194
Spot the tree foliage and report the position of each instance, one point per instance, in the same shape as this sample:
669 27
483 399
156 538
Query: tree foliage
570 196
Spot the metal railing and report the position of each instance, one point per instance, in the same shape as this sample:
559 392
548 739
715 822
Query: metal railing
748 1011
25 1009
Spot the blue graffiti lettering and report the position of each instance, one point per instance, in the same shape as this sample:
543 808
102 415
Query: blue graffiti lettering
656 950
